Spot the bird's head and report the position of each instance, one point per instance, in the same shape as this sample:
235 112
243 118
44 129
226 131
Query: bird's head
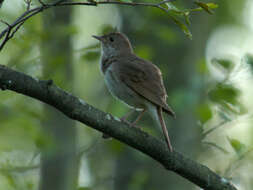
114 44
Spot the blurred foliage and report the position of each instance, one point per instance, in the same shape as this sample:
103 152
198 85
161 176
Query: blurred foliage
238 147
208 103
224 95
204 113
91 55
223 64
249 61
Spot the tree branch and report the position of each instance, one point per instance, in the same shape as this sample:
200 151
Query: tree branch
43 6
77 109
1 3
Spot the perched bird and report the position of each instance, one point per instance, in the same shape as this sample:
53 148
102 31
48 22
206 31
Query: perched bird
133 80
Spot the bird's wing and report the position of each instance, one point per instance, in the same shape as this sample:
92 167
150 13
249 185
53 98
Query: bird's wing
145 79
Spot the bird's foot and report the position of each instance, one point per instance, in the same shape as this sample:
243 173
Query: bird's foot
123 119
133 124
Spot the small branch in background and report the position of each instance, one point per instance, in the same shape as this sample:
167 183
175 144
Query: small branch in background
28 4
221 124
41 2
26 15
211 144
43 6
4 22
235 163
10 34
7 36
1 3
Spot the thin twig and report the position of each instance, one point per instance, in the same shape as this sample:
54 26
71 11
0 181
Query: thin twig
28 4
43 6
236 163
5 39
214 128
10 34
6 23
41 2
216 146
16 29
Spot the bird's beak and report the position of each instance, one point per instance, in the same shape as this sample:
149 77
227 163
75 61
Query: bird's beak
100 38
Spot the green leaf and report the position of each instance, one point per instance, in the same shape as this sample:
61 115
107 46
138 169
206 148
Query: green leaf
224 64
187 18
249 60
183 27
204 6
212 5
207 6
224 93
226 96
238 147
204 113
172 7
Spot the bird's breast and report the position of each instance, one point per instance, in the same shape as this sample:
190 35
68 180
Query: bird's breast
121 91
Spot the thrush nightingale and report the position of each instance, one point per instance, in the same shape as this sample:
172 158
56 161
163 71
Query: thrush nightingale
133 80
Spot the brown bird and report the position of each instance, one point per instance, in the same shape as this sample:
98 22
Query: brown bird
133 80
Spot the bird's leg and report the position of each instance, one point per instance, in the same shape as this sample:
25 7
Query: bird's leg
133 124
105 136
126 116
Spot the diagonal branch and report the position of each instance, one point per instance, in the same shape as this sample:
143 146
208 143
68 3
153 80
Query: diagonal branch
77 109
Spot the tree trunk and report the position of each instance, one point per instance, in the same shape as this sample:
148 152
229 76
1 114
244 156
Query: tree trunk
59 162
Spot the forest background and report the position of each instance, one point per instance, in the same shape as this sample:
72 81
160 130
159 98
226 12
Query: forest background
204 50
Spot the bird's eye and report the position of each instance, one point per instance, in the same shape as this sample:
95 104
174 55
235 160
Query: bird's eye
111 39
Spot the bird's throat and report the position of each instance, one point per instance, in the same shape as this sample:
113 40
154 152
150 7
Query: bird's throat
106 62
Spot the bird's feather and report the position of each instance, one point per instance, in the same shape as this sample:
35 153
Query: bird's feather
145 79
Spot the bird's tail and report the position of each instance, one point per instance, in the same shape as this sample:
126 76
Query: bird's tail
159 111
